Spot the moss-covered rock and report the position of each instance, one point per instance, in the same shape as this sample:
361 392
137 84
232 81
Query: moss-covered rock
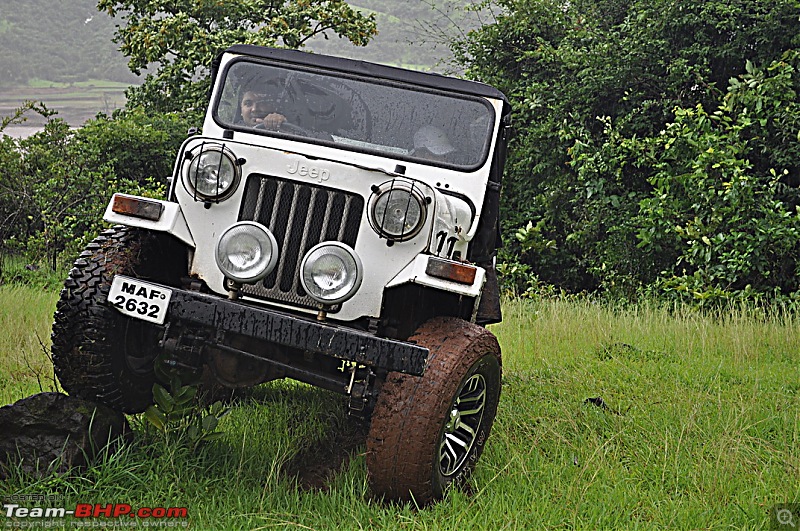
52 433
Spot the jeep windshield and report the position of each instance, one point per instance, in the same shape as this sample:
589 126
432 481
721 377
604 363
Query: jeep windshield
380 117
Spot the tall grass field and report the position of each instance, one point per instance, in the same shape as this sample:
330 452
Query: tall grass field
610 418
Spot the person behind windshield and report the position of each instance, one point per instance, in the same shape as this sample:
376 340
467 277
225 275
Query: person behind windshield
431 143
258 106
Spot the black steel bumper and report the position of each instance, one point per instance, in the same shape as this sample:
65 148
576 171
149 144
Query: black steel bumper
296 332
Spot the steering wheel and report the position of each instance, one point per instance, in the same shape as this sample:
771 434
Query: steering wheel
293 129
286 127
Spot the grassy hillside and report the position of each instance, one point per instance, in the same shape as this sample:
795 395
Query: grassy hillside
61 54
65 42
698 428
75 102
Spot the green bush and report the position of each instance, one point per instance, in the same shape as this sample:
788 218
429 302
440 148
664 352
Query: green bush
630 118
727 219
57 182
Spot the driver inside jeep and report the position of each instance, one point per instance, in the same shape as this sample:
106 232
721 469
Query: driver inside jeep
258 105
287 105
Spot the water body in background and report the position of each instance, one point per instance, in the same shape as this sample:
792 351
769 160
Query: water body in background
22 131
75 104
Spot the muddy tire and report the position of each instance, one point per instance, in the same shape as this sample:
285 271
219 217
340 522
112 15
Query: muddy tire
428 432
99 354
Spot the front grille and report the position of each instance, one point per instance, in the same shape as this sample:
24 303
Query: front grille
300 215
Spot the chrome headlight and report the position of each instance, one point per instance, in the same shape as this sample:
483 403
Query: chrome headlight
247 252
212 172
331 272
398 210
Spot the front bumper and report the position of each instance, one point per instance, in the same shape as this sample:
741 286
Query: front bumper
213 312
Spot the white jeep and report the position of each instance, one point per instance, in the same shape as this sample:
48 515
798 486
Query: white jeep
335 222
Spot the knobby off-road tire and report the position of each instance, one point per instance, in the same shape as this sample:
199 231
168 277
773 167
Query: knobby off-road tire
428 432
98 353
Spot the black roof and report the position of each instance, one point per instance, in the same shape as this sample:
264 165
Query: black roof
364 68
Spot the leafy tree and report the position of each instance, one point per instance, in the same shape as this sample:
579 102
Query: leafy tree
55 189
182 38
138 147
14 220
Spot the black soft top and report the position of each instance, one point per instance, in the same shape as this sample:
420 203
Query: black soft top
363 68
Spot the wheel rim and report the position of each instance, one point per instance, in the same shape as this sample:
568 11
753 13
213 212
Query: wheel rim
461 426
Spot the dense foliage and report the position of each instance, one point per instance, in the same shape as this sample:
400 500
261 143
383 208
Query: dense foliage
656 143
64 42
181 39
55 184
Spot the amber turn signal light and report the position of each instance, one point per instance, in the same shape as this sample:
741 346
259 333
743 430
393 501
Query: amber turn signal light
448 270
137 207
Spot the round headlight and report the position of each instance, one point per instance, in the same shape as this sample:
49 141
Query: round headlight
398 212
213 173
331 272
247 252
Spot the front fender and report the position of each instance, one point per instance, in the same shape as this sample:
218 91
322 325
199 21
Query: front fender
168 218
419 272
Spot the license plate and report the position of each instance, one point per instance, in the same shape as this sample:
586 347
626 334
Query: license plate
141 300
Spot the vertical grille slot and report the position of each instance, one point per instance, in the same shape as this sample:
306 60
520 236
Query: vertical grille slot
300 215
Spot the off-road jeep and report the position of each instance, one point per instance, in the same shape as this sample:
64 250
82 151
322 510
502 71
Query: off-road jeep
335 222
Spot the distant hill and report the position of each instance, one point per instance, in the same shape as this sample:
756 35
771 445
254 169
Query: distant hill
70 41
67 41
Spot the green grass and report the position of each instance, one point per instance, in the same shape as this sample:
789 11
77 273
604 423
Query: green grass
25 318
699 431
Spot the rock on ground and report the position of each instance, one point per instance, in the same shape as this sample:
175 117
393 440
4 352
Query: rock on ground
52 433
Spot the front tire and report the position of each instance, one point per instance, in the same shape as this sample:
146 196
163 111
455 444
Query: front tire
428 432
98 353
